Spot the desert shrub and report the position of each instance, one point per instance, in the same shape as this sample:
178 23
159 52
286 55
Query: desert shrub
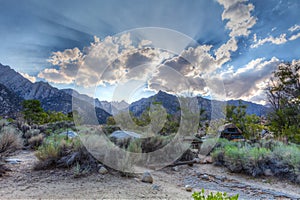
109 129
218 156
10 140
255 160
135 146
288 154
213 196
154 143
32 132
3 122
233 157
36 141
59 151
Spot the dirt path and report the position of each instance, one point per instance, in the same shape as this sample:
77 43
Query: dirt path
23 183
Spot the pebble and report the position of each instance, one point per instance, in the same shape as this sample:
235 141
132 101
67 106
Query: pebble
268 172
156 187
147 178
102 170
205 177
176 168
188 188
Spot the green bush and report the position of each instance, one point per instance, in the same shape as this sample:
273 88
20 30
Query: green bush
289 154
55 146
213 196
255 158
233 157
135 146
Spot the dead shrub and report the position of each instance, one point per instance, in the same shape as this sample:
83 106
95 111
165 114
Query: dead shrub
10 141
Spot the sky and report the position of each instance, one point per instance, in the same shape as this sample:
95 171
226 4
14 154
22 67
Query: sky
128 49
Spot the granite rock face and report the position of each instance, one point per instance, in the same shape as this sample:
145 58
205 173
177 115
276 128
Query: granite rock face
10 103
51 98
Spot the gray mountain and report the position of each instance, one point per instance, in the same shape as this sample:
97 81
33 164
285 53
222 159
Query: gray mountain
213 108
50 97
110 107
10 103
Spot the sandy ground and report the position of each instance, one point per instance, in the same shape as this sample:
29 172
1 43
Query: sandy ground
24 183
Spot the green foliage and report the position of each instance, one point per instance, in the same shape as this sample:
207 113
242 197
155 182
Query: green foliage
135 146
53 147
254 158
252 127
110 121
35 114
289 154
237 115
213 196
284 96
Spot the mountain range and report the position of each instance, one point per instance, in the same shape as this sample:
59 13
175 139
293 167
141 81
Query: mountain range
14 88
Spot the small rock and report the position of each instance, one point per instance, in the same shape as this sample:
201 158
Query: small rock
147 178
197 160
156 187
99 166
205 177
12 160
188 188
176 169
206 160
268 172
102 170
298 179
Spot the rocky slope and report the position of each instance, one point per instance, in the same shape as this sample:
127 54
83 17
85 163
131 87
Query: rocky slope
213 108
50 97
10 103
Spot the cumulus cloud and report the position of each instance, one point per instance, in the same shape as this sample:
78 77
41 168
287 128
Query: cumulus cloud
238 14
105 61
55 76
257 72
30 78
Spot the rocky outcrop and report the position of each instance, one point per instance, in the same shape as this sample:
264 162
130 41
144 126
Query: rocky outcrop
10 103
50 97
213 108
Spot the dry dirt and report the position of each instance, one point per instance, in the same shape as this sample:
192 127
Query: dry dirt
24 183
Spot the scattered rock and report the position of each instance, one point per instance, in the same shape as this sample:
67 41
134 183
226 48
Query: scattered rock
12 160
147 178
206 160
188 188
268 172
298 179
156 187
176 168
102 170
205 177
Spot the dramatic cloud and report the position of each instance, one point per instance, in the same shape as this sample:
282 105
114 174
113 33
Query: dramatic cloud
68 61
239 16
30 78
105 61
257 72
